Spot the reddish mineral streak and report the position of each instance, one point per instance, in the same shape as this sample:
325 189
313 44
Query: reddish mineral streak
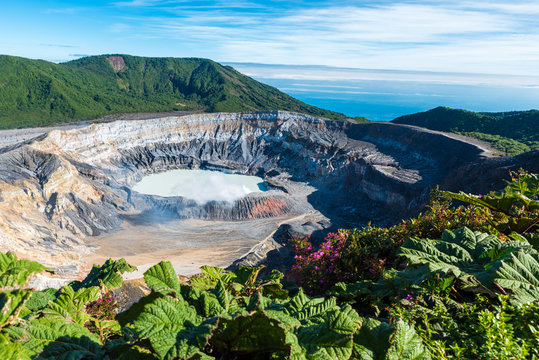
267 207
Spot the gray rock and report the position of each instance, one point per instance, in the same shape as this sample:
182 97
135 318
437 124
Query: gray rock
69 184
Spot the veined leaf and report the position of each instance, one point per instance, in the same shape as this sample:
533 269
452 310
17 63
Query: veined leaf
275 276
246 275
273 287
371 342
15 273
183 349
258 302
134 311
214 274
209 305
462 252
164 314
70 304
40 299
303 308
501 203
162 319
11 303
406 344
109 275
43 331
13 351
330 339
253 333
297 303
222 295
72 348
162 278
520 273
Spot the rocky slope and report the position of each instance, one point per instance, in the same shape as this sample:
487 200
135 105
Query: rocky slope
66 185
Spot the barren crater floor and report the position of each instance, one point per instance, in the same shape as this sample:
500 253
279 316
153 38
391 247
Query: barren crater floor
68 196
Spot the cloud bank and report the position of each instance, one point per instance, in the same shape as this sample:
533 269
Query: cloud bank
482 36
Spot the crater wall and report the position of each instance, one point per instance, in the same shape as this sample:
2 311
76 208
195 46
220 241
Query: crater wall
66 185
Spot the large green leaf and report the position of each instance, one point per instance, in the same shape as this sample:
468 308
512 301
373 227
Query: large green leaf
162 278
461 252
303 308
134 311
209 277
222 295
246 275
11 303
272 285
13 351
190 342
323 330
330 339
209 303
70 304
73 348
15 273
43 331
371 342
162 319
109 275
525 184
123 351
520 273
164 314
254 333
518 202
406 344
501 202
258 302
40 299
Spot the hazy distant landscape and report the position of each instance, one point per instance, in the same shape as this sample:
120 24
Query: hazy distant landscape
382 95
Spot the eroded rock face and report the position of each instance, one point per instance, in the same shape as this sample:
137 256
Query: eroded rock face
67 185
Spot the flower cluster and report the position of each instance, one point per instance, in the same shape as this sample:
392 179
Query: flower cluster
317 270
104 308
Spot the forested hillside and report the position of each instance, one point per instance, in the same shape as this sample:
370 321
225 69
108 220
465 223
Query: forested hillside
35 92
510 132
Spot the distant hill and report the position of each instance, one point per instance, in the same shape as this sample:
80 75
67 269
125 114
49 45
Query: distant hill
510 132
36 92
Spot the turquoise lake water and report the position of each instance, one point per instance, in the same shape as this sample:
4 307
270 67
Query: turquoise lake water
200 185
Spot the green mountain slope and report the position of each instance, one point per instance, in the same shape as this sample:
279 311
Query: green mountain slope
510 132
35 92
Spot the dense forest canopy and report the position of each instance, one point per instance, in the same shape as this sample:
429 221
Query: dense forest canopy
35 92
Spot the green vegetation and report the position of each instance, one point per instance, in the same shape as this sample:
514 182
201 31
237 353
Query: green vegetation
512 132
466 277
453 283
36 93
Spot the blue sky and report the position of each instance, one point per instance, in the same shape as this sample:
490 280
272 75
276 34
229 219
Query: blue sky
497 37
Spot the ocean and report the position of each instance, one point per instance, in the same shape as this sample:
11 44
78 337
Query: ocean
382 95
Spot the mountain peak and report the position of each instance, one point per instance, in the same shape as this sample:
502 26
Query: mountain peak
37 92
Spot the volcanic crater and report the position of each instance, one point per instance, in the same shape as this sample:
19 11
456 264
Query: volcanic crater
67 198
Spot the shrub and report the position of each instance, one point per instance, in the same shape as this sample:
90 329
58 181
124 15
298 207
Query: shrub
316 270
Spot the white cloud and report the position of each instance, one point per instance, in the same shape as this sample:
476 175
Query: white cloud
482 36
324 74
